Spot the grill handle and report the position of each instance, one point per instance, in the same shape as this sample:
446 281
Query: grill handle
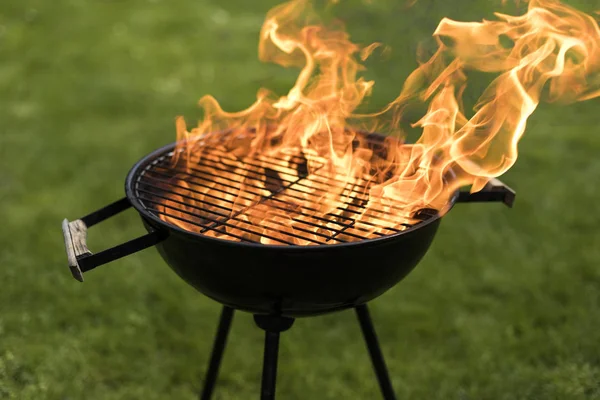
494 190
81 259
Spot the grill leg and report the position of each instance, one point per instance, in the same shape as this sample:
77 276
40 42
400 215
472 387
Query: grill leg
269 375
273 326
217 353
366 325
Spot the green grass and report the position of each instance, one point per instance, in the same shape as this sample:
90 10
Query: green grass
506 305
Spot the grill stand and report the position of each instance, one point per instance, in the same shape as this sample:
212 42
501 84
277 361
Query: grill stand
273 326
217 353
368 330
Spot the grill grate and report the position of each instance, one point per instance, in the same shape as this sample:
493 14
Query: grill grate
281 203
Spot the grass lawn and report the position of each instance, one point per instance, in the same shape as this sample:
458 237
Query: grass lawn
506 305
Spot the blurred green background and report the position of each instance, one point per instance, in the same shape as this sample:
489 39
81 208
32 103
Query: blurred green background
505 305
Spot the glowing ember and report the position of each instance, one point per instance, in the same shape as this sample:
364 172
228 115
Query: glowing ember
552 47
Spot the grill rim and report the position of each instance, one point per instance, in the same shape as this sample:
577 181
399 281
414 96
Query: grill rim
145 162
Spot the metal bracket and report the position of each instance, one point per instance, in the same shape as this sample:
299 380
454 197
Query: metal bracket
494 191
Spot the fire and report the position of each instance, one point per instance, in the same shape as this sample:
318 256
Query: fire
551 53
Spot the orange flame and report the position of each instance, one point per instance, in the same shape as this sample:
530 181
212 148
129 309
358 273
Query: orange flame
552 48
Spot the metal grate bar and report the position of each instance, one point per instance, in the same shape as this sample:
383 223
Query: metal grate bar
348 203
343 206
240 195
293 205
196 199
222 223
196 182
270 158
257 175
145 197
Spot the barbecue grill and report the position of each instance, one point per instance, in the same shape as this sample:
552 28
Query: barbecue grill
313 263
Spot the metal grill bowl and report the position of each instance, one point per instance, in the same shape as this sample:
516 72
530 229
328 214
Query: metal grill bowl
288 280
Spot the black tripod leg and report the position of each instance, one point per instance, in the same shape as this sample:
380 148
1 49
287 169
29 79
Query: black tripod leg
217 353
269 374
273 325
366 325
